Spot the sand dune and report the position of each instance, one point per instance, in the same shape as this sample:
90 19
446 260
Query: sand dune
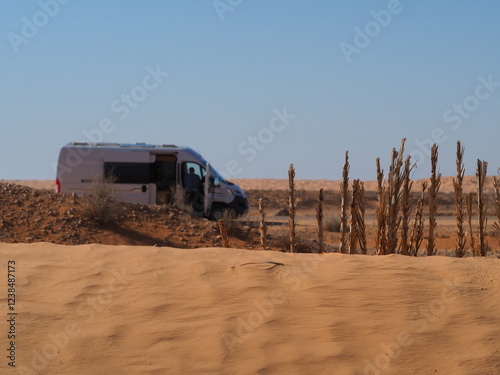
97 309
469 184
282 184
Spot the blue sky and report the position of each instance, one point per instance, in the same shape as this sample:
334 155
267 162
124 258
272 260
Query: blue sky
252 85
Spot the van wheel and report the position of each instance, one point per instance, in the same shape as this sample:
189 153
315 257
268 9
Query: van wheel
217 212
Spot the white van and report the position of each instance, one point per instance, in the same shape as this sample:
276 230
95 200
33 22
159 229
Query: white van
148 174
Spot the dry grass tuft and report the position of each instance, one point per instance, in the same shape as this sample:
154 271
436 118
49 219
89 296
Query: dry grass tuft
331 223
100 204
178 200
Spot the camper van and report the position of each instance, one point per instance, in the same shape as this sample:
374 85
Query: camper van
149 174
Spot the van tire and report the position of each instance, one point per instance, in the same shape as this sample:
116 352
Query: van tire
217 212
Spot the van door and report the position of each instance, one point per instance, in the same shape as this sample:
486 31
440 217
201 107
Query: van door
164 176
209 190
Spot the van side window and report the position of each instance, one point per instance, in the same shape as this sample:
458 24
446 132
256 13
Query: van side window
198 170
128 173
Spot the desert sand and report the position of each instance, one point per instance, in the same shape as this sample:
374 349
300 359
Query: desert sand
469 184
96 309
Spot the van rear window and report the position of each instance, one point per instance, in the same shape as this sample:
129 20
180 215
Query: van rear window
128 173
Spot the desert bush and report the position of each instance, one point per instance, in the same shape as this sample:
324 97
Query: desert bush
100 204
279 238
178 200
331 223
233 226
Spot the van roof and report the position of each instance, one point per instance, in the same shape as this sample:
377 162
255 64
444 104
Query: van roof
123 145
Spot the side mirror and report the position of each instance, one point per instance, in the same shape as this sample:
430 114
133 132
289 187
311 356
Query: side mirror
216 181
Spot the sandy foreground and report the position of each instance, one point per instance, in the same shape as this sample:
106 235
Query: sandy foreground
96 309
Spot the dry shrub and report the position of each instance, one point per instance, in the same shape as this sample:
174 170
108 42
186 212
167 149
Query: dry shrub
100 204
178 200
234 227
331 223
279 238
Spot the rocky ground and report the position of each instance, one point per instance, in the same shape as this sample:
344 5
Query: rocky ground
37 214
32 215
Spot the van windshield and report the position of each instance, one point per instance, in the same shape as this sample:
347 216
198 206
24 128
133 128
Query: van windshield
217 174
214 171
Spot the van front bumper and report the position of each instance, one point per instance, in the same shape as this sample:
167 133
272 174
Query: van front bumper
239 205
